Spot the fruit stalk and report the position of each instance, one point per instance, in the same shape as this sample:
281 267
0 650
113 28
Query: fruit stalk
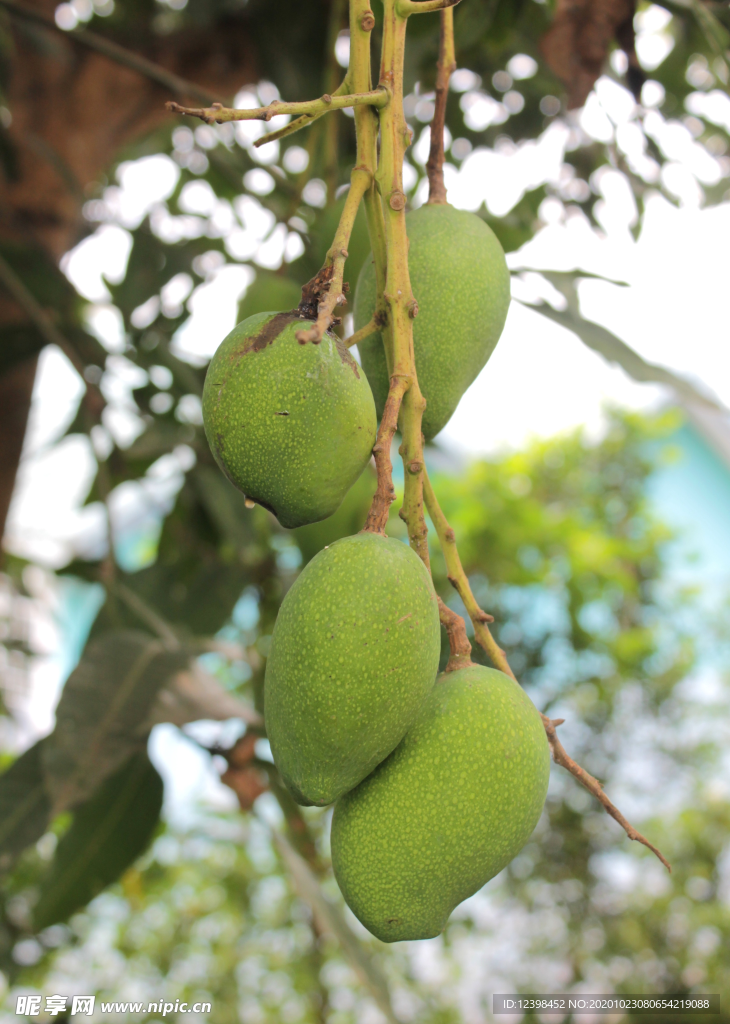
385 494
362 22
362 178
396 307
405 401
480 619
446 64
459 646
329 281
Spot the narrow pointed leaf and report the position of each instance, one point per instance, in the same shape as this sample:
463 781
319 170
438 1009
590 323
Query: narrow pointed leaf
105 701
25 807
616 351
107 834
331 919
195 694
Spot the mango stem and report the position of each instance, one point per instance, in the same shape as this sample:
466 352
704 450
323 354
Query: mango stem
458 640
324 293
446 64
385 494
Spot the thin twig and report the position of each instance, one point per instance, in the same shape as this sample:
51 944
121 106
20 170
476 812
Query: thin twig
408 7
385 494
594 786
294 126
119 54
371 327
446 64
218 114
49 332
304 121
480 619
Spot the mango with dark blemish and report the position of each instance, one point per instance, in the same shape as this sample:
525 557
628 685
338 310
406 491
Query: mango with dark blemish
354 653
452 805
461 283
291 425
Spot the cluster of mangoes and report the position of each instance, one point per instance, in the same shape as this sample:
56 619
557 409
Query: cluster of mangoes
437 783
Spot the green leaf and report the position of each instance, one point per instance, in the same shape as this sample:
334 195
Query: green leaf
330 918
196 694
614 350
105 702
25 808
107 834
225 505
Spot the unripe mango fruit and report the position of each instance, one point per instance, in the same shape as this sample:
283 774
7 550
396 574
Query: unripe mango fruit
354 653
460 281
291 425
450 807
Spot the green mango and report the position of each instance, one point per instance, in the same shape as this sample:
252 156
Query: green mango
269 291
348 519
291 425
461 283
450 807
354 653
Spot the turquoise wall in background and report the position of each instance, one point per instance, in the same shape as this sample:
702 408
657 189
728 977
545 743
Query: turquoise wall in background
691 493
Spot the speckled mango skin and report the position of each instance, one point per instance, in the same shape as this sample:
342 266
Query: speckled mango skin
461 283
292 426
354 654
450 807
